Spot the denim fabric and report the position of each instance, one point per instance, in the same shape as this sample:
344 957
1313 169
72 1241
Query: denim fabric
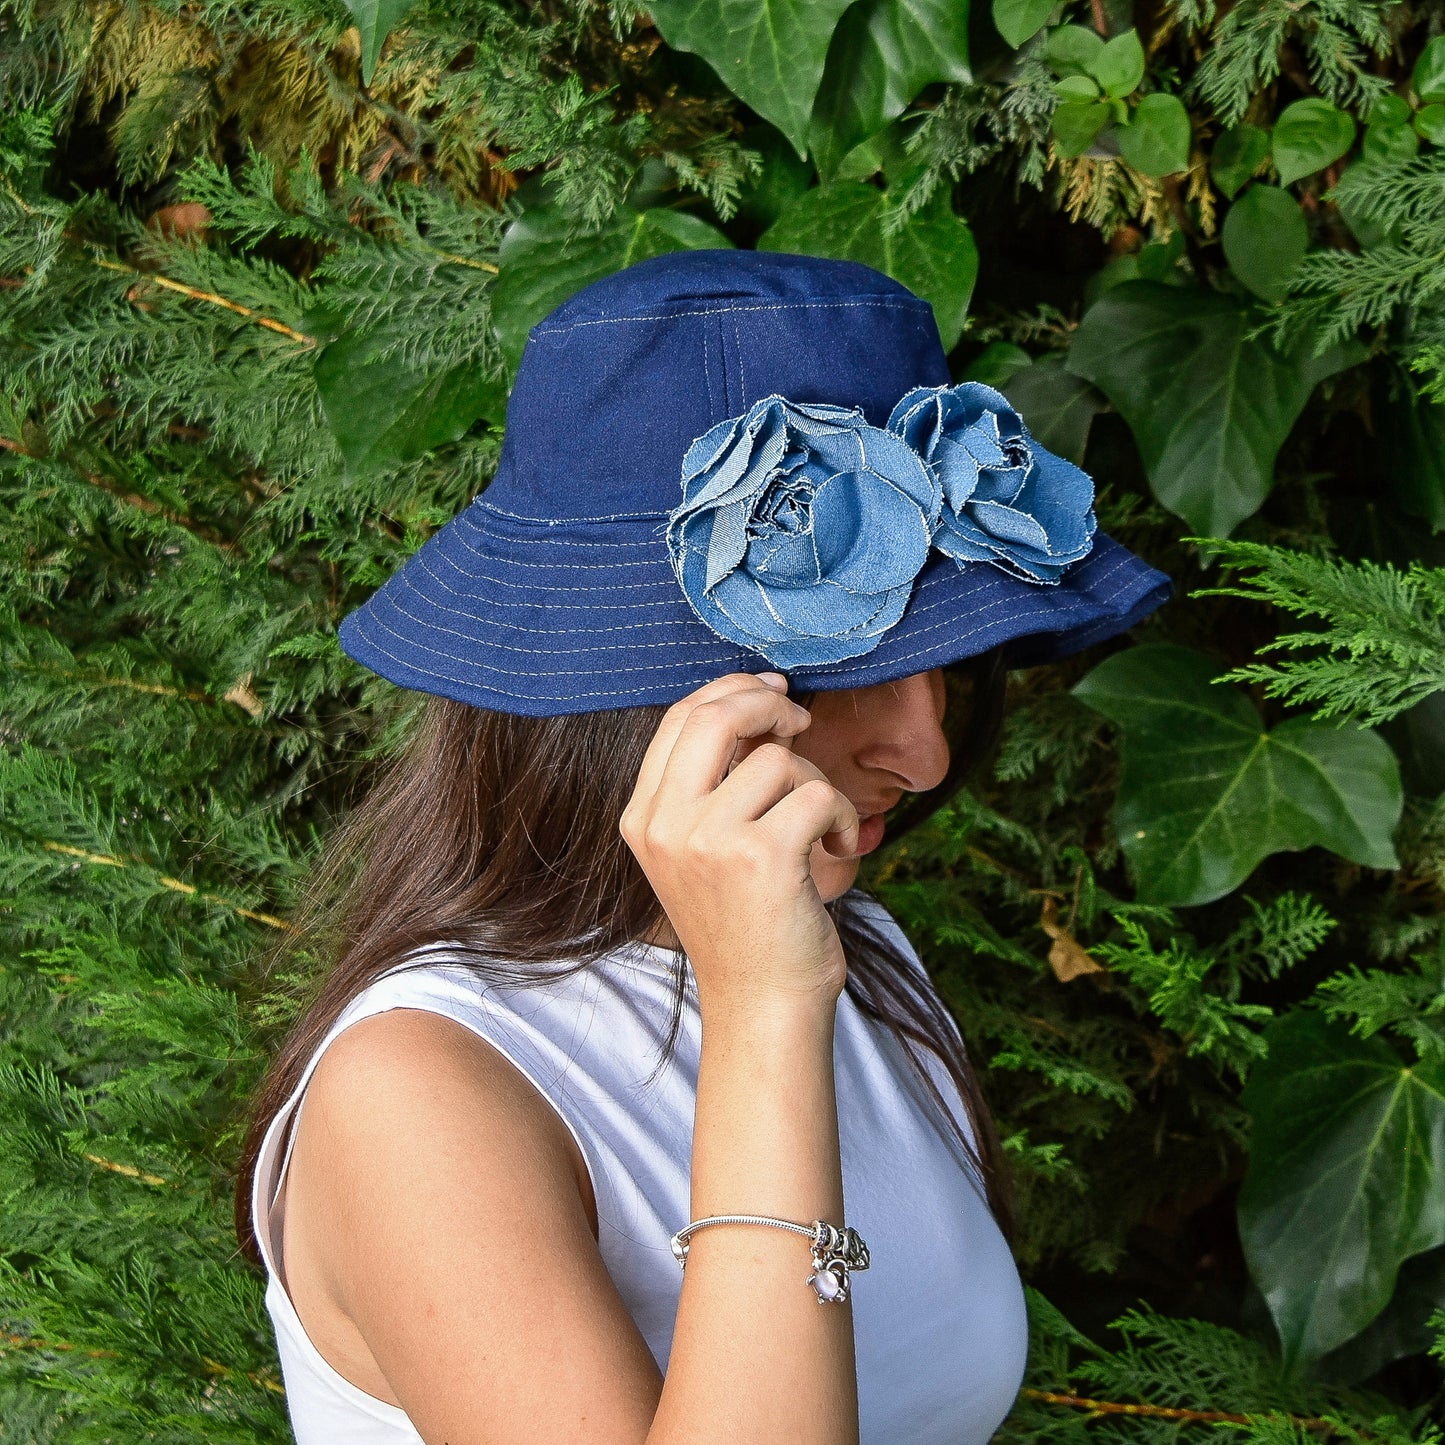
801 530
616 384
555 591
1007 500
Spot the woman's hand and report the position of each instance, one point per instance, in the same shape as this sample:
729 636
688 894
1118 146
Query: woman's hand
723 821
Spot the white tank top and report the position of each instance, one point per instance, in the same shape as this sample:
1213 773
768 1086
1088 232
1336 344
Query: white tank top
939 1322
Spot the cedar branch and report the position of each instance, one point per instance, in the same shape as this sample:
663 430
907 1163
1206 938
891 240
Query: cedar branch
104 860
256 1377
210 297
1170 1412
129 1170
159 688
215 1367
135 499
21 1342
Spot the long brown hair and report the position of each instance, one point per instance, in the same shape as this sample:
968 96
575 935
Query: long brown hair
498 834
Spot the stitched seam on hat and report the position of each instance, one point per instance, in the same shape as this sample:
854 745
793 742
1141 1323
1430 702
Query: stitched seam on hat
670 580
562 542
900 303
588 606
1115 566
576 521
987 620
722 352
707 373
742 368
981 620
488 622
497 581
560 672
961 637
679 613
607 693
915 633
1089 597
505 692
550 672
609 566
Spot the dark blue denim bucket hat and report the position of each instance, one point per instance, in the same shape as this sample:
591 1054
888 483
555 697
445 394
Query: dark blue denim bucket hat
738 461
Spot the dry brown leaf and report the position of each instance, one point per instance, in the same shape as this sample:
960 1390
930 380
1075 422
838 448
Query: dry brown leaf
183 221
244 698
1068 958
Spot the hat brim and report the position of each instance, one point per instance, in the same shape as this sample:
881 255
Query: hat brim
542 620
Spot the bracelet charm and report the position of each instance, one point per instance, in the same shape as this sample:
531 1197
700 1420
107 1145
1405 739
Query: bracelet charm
835 1251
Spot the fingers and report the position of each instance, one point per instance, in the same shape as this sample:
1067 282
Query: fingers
758 784
705 738
812 811
660 748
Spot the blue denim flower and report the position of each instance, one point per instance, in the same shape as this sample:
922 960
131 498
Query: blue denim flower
801 530
1006 499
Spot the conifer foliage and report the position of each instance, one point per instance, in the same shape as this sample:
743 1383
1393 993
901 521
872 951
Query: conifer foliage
265 273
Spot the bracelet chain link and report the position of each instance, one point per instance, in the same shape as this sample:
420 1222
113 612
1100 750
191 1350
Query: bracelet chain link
835 1251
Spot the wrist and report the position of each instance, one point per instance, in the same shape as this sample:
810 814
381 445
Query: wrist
785 1018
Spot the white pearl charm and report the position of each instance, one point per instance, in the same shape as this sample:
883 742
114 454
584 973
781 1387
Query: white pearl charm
827 1284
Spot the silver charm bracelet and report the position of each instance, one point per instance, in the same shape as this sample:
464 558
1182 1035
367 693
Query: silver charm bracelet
835 1251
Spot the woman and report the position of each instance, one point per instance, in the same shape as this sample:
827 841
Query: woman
602 983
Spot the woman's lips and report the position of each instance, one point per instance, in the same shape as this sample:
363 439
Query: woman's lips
870 833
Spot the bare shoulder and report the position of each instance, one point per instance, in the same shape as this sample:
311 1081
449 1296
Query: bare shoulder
408 1059
435 1219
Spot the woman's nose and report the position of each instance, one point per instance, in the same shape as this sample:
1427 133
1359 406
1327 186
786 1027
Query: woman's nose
907 736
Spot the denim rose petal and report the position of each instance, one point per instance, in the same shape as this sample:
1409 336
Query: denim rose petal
1006 499
801 530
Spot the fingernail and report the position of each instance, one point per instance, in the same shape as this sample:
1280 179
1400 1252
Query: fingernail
774 679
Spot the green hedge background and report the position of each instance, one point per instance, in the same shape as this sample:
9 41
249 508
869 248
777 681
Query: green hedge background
265 269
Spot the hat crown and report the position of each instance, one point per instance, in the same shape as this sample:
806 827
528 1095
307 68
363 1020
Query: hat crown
618 382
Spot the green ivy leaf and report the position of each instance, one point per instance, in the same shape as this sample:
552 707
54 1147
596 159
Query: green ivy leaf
1019 20
933 253
1238 154
1414 431
1346 1178
869 158
1429 76
1390 109
375 19
1430 123
1073 49
1308 136
384 413
1156 140
883 53
543 260
1209 408
1367 229
1389 144
1119 66
1206 793
783 176
1265 238
1075 124
769 53
1057 406
1400 1329
998 361
1157 261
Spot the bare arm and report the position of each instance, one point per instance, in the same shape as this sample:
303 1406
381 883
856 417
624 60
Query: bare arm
444 1221
755 1356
